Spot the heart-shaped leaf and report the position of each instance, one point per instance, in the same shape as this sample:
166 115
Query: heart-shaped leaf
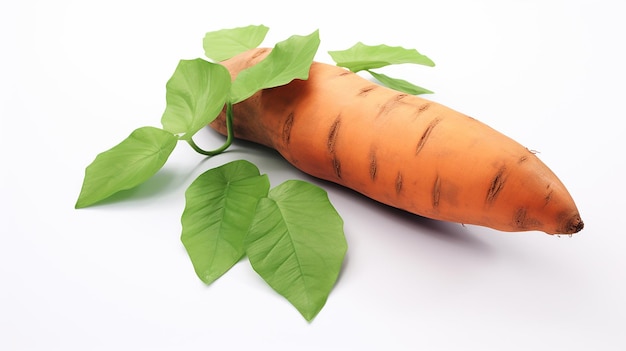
296 243
220 205
195 95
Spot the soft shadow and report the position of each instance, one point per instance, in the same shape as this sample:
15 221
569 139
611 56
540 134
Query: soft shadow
420 229
158 185
344 267
450 233
165 181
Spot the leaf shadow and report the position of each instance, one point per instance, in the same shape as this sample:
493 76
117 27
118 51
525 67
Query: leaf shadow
157 185
166 181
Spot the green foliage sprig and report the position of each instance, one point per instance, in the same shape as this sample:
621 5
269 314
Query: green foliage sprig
291 234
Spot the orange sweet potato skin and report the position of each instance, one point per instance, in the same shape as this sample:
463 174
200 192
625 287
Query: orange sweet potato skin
403 150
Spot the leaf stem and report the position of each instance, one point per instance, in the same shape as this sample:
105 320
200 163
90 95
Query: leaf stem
230 135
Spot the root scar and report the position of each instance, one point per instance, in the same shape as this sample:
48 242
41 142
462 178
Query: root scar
496 185
425 135
373 165
436 192
399 183
287 128
332 134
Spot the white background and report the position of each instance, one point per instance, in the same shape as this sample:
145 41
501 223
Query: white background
76 77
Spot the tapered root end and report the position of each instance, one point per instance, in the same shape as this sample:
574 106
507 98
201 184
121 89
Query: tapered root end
573 225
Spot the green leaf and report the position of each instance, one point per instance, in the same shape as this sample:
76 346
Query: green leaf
126 165
399 84
195 94
226 43
363 57
220 205
296 243
290 59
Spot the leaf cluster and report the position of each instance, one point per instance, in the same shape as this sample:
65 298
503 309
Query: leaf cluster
291 234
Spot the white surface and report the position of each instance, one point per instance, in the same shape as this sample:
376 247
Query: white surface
78 76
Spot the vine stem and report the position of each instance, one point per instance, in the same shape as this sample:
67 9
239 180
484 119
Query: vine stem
230 135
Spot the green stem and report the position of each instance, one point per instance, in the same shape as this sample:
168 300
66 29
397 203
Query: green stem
230 135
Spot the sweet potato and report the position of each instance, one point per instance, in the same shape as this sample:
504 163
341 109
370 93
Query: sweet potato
402 150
